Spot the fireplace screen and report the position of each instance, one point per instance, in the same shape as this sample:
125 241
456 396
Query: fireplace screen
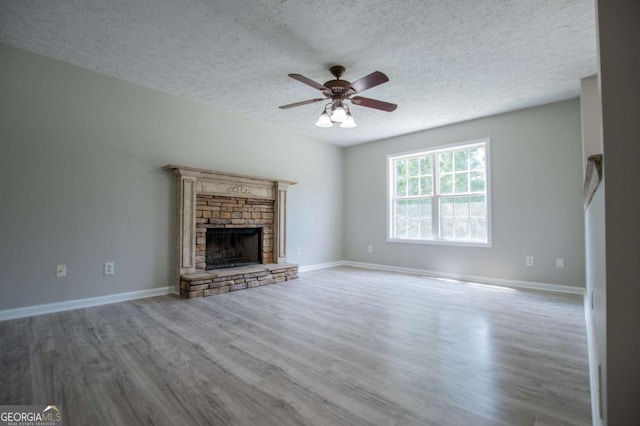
228 247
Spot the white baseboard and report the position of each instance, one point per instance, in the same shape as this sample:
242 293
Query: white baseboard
317 266
48 308
461 277
592 350
121 297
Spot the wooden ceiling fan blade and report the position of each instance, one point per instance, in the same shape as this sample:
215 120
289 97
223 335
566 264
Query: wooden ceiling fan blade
307 81
373 103
296 104
367 82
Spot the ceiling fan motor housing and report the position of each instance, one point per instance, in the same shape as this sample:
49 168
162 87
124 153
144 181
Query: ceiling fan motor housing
337 87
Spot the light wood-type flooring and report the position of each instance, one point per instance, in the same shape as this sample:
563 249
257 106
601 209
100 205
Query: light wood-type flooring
341 346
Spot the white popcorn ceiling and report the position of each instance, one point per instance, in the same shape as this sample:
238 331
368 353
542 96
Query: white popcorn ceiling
447 61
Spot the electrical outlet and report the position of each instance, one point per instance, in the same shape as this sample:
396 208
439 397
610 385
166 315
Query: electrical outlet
109 268
529 261
299 250
61 271
560 262
370 249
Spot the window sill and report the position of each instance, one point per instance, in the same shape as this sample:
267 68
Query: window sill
441 242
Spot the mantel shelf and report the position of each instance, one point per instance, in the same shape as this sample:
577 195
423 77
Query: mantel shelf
591 180
228 177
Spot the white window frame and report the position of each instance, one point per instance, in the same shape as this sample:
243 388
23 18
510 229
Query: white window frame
434 150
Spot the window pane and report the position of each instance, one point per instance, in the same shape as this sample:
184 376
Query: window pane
425 228
425 221
446 229
426 185
400 219
414 186
476 159
461 229
462 182
401 209
412 218
413 208
461 207
401 168
461 160
446 184
413 230
477 206
426 165
478 230
401 187
401 228
446 162
477 182
413 166
425 208
446 207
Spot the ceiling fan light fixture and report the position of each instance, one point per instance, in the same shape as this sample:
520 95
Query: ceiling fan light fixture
338 114
349 122
324 120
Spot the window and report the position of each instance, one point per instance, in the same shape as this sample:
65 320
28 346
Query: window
441 195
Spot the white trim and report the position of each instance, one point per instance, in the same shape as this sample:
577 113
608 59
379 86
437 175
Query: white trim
452 146
317 266
556 288
48 308
592 350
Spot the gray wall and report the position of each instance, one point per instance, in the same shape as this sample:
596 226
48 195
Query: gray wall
81 180
536 198
619 56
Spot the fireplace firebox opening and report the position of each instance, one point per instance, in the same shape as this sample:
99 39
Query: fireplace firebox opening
231 247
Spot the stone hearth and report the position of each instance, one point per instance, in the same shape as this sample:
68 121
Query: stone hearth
230 279
209 199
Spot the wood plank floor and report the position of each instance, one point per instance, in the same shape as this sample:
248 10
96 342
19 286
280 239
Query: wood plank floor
341 346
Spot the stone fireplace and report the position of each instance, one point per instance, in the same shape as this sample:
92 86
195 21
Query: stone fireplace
231 232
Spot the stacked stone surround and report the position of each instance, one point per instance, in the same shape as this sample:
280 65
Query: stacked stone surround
211 199
220 281
213 211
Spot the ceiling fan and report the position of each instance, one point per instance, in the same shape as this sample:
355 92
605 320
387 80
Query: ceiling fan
338 91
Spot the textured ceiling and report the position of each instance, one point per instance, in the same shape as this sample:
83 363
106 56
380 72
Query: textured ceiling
447 61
